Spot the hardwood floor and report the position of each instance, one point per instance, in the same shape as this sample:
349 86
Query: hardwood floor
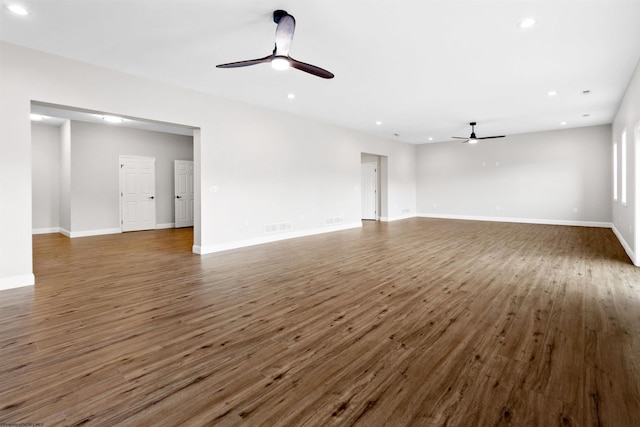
417 322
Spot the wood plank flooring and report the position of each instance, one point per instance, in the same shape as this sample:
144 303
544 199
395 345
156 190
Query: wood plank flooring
419 322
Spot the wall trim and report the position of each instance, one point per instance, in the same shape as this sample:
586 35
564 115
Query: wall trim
88 233
45 230
396 218
519 220
12 282
625 245
202 250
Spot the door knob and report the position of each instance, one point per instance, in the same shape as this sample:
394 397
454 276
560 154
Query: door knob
178 197
151 197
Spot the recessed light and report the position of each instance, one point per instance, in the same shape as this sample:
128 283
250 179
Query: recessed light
552 93
378 122
586 115
112 119
36 117
17 9
563 123
527 23
586 92
396 134
430 138
291 96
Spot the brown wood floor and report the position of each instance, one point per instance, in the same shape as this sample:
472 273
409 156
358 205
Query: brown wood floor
417 322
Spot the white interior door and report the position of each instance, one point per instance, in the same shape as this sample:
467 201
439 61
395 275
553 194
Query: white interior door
183 197
138 193
369 193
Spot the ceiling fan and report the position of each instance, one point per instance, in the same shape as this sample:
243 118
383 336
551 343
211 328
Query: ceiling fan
280 59
472 139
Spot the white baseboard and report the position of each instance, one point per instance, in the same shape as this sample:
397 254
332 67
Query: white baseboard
272 238
519 220
45 230
625 245
17 281
396 218
88 233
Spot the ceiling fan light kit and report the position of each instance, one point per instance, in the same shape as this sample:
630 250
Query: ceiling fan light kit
473 139
280 59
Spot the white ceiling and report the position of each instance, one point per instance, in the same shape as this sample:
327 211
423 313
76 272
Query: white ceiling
424 68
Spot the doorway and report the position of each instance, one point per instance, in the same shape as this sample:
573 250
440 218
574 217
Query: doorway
91 194
369 190
373 183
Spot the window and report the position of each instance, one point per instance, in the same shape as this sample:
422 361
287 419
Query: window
623 168
615 171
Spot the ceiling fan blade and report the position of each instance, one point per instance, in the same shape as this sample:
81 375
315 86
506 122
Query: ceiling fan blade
460 137
284 32
311 69
491 137
246 63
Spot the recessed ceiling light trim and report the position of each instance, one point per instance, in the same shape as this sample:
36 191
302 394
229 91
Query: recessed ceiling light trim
552 93
527 23
291 96
563 123
112 119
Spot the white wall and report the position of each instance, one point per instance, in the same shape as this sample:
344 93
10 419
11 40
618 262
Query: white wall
252 166
45 159
536 177
625 218
95 150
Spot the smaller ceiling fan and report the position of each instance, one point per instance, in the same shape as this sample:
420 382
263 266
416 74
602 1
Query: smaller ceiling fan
280 59
472 139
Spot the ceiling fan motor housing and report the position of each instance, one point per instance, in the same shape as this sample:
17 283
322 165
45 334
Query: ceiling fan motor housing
277 14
